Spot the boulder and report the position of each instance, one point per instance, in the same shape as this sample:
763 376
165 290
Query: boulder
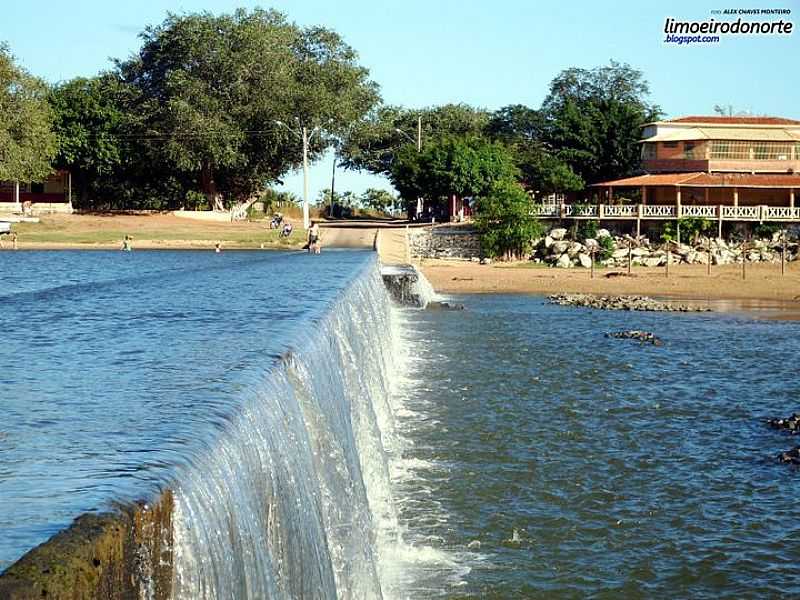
558 234
574 249
559 247
564 261
548 241
584 260
602 233
654 261
620 253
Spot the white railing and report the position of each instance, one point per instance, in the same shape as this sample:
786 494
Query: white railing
620 210
580 210
666 211
658 211
742 213
547 210
781 213
702 211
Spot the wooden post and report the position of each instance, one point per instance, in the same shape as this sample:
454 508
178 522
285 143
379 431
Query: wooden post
744 260
678 203
630 259
16 194
591 256
669 257
708 250
644 194
707 202
638 220
783 252
611 194
719 222
736 196
791 198
69 189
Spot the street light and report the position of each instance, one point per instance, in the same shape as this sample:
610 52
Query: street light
304 135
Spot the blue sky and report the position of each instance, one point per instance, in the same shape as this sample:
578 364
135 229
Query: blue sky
485 53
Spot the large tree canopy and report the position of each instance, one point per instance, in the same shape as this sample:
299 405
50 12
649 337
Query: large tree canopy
541 171
27 143
592 119
464 166
88 121
208 92
373 143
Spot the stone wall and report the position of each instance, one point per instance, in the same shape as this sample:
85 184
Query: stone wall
444 242
124 555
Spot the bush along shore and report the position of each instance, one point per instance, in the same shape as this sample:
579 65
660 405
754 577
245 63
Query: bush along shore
557 250
642 303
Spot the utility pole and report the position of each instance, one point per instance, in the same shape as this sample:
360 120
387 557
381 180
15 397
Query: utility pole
306 223
333 186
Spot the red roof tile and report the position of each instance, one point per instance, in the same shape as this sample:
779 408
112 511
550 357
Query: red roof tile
736 120
744 180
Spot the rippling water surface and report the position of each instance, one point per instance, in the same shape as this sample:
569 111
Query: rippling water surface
550 461
116 368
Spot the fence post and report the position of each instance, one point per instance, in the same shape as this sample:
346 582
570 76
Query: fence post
591 257
669 257
783 252
630 260
708 251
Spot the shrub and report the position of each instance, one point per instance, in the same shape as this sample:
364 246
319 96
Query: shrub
506 222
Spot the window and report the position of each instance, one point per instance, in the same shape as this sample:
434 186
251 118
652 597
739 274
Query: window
688 150
670 144
648 151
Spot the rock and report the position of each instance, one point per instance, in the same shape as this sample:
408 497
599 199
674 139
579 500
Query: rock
645 337
548 241
558 233
602 233
564 261
790 424
591 243
585 260
639 303
654 261
791 457
574 249
475 259
486 261
621 253
435 305
559 247
639 252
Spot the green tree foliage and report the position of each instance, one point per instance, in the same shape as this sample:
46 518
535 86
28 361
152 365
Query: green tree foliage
206 92
592 120
464 166
378 200
88 121
542 172
506 222
27 142
374 142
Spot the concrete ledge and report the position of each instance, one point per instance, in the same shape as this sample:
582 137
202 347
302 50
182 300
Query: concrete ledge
123 555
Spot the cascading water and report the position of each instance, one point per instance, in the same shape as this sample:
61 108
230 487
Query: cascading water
294 499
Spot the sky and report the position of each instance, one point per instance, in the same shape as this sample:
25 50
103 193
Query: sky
487 53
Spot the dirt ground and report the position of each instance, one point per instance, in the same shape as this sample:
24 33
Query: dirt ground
763 282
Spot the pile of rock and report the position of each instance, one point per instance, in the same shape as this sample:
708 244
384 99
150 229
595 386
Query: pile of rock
460 243
791 457
612 251
790 424
644 337
642 303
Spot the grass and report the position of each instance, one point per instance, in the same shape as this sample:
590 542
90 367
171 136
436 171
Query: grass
92 230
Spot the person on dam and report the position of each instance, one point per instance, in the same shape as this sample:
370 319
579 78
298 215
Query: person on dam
314 241
126 244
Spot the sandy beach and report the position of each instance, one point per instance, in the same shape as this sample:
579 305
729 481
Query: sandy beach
763 288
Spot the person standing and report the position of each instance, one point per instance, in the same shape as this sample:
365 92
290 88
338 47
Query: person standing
314 241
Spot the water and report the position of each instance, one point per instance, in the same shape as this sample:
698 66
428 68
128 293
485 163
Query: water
123 373
323 444
550 461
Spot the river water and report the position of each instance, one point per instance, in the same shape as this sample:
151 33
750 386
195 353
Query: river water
322 443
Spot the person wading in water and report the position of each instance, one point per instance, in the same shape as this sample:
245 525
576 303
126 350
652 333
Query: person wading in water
314 243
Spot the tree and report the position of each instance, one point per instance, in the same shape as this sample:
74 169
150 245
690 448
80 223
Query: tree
88 122
379 200
541 171
374 142
209 91
464 166
27 142
593 120
506 222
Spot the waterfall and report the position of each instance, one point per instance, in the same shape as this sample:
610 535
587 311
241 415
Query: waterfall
293 499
